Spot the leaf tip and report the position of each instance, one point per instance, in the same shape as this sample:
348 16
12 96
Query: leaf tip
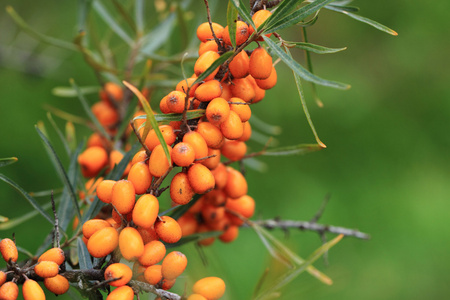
394 33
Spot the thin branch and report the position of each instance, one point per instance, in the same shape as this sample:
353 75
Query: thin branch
142 286
56 230
208 13
147 151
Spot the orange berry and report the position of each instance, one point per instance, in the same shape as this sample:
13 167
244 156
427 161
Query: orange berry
196 297
258 18
131 244
92 226
211 213
205 241
168 229
226 92
204 62
176 101
230 234
182 86
145 211
46 269
110 91
236 184
181 191
217 111
244 112
204 32
238 67
123 196
154 252
207 46
140 177
209 90
167 284
173 265
148 234
121 293
115 157
139 156
269 82
9 291
247 132
57 285
118 270
158 163
245 206
118 217
106 114
32 290
96 140
260 64
234 150
220 174
151 141
216 197
211 288
163 106
92 161
197 207
259 92
243 88
188 224
197 142
183 154
153 274
232 128
242 34
211 134
200 178
53 254
212 162
103 242
9 250
2 277
104 190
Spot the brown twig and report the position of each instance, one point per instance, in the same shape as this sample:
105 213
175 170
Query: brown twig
208 13
140 138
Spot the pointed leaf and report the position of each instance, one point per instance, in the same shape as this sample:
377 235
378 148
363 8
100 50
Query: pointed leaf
314 48
109 20
139 10
68 92
84 7
68 117
71 138
281 11
83 255
158 36
293 150
7 161
217 63
232 17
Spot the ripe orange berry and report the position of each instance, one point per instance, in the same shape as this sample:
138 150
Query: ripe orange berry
92 226
211 288
140 177
57 285
9 291
167 284
145 211
173 265
53 254
236 184
158 163
217 111
9 250
153 274
121 293
92 161
46 269
200 178
234 150
181 191
106 114
204 62
232 127
151 141
238 67
208 46
131 244
2 277
216 197
260 64
226 92
211 213
242 88
196 297
244 112
115 157
242 34
209 90
245 206
122 196
148 234
139 156
197 142
230 234
220 174
154 252
103 242
259 92
110 91
204 32
258 18
176 101
269 82
32 290
183 154
247 132
212 162
211 133
104 190
168 229
188 224
163 106
182 86
118 270
96 140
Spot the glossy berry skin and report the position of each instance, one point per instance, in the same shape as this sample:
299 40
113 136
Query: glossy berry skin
153 274
32 290
8 250
53 254
121 293
145 211
131 244
200 178
154 252
57 285
181 191
46 269
118 270
211 288
173 265
103 242
168 229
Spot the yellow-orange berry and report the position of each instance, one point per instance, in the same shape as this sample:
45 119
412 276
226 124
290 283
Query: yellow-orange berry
234 150
260 64
239 65
92 161
214 160
106 114
154 252
204 32
269 82
46 269
241 33
118 270
8 250
200 178
53 254
247 132
145 211
211 213
244 206
204 62
123 196
232 128
259 92
2 277
158 163
139 156
211 288
176 101
230 234
115 157
181 191
243 88
188 224
216 197
217 111
121 293
140 177
151 141
196 297
57 285
168 229
96 140
258 18
208 91
183 154
173 265
211 134
226 92
243 111
153 274
236 185
197 142
103 242
182 86
9 291
131 244
167 284
104 190
32 290
207 46
163 106
92 226
148 234
110 91
220 174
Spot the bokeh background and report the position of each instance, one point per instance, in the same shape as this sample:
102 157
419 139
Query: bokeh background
386 166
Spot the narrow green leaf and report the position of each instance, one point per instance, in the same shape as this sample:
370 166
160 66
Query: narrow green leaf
46 193
123 14
314 48
59 132
139 10
11 223
150 117
60 170
346 8
37 35
109 20
88 110
180 210
310 68
293 150
280 12
363 19
83 255
194 238
217 63
71 137
300 70
67 116
190 114
25 251
7 161
84 7
264 126
68 92
27 196
232 15
243 12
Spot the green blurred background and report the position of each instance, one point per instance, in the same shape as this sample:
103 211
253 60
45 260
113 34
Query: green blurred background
385 166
